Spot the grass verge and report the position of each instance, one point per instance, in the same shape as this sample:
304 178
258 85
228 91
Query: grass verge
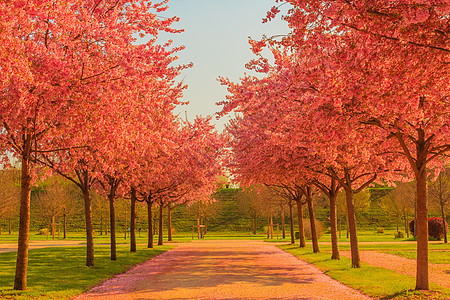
60 273
434 257
372 281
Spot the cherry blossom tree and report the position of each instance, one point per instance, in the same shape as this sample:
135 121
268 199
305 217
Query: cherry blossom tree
75 53
390 69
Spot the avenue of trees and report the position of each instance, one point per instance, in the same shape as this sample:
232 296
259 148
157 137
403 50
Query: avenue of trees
81 97
356 94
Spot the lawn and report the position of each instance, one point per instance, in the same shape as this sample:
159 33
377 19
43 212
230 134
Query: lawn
435 256
60 273
373 281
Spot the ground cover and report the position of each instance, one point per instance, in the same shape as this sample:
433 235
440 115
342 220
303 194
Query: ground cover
60 273
373 281
434 257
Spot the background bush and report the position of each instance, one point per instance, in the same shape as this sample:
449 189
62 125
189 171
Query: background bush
435 228
399 234
307 228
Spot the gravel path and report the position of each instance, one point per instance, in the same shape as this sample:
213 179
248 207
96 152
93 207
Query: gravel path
438 273
223 270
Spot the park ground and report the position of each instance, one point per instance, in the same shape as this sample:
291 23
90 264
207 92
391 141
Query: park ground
225 266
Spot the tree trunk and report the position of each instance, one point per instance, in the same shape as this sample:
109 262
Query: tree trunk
268 227
346 228
422 231
398 221
133 221
282 222
20 281
291 221
415 217
301 230
169 223
198 228
161 223
333 225
9 225
351 221
340 226
64 227
53 227
443 223
150 224
271 227
112 224
312 221
89 227
405 217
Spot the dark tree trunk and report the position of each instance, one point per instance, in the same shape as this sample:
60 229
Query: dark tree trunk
150 224
405 218
419 166
9 225
112 224
283 230
169 223
161 223
89 227
422 232
351 221
268 227
443 223
133 221
333 225
301 230
64 226
20 281
271 227
312 221
291 221
53 227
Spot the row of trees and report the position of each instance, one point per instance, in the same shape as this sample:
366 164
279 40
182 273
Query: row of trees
82 97
357 93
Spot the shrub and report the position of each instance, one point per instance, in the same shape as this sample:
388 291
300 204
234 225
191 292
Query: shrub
307 228
380 230
43 231
399 234
411 227
435 228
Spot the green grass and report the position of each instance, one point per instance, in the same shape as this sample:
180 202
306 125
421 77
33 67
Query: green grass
373 281
366 236
434 257
60 273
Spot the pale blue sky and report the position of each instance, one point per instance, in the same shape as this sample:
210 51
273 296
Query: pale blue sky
216 39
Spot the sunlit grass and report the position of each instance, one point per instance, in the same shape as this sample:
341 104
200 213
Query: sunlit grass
373 281
60 273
